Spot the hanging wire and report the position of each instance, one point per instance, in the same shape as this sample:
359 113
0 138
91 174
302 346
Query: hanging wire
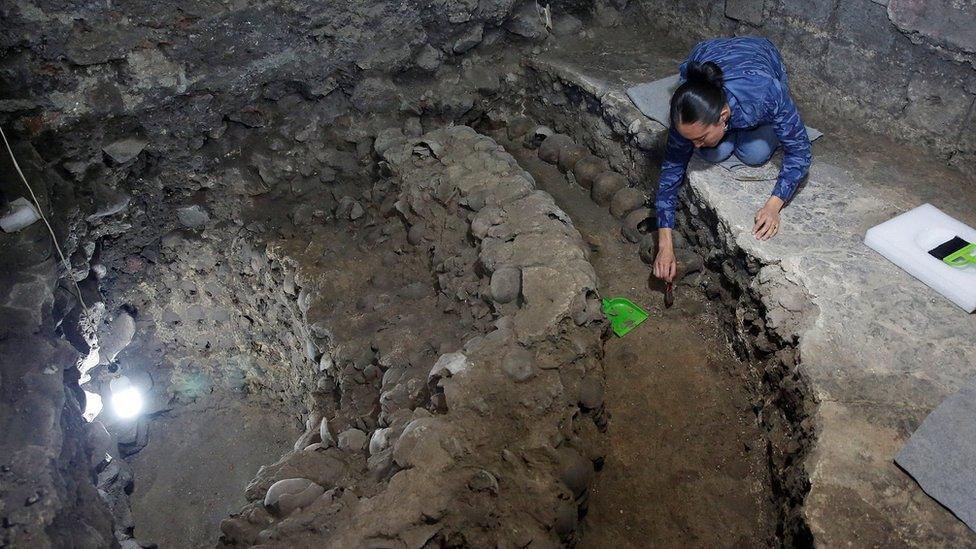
40 212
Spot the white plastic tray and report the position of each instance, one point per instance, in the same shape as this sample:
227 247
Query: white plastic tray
906 240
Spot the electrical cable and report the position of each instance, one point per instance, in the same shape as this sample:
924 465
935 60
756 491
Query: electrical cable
40 212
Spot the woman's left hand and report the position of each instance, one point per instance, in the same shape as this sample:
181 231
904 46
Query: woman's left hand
767 219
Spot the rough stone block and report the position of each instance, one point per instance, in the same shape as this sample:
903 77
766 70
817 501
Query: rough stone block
949 24
506 283
863 80
750 11
865 24
937 105
469 39
817 12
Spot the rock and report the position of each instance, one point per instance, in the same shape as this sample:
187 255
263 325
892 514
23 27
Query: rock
375 95
417 537
637 222
115 336
356 211
192 217
576 471
536 136
349 208
380 440
124 150
591 392
750 11
20 215
606 15
688 262
485 220
518 127
449 364
569 156
422 444
592 312
605 186
566 517
236 530
566 24
412 127
483 481
587 169
100 443
483 78
385 139
416 234
678 239
427 148
325 432
290 494
249 116
352 440
469 39
527 22
506 283
550 148
625 201
305 440
429 58
108 201
519 364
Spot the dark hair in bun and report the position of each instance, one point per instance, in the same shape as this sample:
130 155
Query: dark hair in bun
701 97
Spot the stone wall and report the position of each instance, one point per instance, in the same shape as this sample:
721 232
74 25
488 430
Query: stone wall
179 70
47 497
902 67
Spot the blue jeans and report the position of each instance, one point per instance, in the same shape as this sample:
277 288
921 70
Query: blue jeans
753 147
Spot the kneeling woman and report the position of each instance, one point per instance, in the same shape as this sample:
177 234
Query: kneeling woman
734 100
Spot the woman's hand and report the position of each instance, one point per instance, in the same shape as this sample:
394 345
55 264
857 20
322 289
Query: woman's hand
665 266
767 219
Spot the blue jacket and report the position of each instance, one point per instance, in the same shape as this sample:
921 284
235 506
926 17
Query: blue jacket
756 88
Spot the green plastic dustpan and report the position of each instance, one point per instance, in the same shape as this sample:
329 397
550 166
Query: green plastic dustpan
624 315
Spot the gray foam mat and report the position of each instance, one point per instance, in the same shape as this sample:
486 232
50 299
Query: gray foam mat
941 454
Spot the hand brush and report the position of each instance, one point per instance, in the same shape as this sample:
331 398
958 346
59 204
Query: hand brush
955 252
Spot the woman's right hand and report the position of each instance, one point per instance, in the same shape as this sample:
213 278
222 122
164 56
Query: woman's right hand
665 267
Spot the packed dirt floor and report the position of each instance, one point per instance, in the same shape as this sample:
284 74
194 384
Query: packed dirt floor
686 462
192 473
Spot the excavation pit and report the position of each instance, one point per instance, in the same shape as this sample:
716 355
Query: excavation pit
350 320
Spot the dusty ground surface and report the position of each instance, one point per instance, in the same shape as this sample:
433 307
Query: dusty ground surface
192 473
686 462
